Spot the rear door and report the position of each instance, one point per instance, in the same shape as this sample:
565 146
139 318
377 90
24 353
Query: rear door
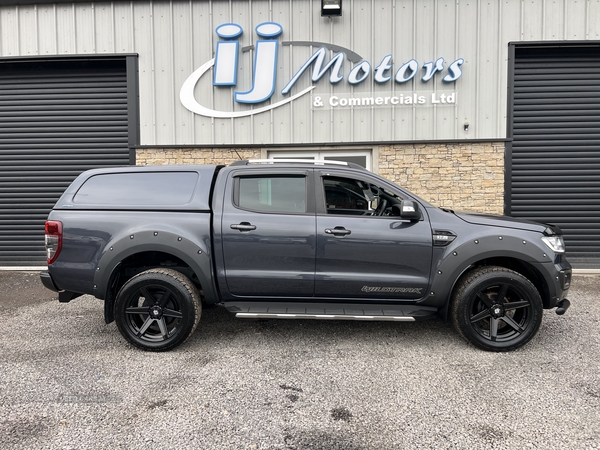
363 250
268 233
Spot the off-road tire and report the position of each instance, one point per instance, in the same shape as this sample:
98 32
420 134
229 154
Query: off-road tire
492 323
158 309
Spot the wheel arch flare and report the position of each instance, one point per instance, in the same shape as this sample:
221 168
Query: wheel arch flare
194 254
520 254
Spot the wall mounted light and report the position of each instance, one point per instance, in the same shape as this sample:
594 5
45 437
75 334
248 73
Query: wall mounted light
331 8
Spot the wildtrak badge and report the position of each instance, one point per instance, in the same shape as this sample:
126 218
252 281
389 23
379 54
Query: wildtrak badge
392 290
266 50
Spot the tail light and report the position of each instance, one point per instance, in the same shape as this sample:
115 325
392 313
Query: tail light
54 235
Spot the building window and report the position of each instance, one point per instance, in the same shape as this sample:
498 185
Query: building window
362 158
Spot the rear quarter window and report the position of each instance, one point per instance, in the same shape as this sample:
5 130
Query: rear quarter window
138 189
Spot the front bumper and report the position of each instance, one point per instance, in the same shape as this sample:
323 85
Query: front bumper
565 273
561 274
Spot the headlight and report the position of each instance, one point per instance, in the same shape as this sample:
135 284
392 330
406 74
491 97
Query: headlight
555 243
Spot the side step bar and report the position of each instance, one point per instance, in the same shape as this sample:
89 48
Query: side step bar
324 317
330 311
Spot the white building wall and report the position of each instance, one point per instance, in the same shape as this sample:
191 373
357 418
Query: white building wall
173 38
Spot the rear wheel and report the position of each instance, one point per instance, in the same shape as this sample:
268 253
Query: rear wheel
158 309
496 309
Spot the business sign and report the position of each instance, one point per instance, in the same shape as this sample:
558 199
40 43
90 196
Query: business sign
266 50
391 99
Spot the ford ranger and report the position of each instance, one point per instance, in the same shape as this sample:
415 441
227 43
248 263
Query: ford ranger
295 239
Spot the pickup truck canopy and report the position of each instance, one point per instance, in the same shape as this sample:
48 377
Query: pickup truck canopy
177 187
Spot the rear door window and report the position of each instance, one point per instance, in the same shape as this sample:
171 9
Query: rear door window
271 194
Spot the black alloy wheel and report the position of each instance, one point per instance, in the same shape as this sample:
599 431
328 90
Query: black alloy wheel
496 309
158 309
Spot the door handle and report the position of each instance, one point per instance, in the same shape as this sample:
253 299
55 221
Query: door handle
337 231
244 226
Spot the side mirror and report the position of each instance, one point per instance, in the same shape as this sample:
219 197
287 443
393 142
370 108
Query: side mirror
410 210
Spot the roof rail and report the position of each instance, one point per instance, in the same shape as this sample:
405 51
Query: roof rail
298 161
305 161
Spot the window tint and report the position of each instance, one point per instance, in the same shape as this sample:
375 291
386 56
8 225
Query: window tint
345 196
138 189
273 194
357 197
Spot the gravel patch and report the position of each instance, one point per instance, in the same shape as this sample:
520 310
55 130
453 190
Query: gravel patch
72 382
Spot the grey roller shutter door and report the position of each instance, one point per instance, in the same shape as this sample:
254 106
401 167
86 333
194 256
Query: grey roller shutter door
57 119
554 173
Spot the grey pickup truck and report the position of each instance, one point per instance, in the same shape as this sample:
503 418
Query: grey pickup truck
295 239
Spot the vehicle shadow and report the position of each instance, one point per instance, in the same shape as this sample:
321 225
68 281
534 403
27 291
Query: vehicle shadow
217 325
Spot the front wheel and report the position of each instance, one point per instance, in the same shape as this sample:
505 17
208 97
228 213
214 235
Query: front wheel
496 309
158 309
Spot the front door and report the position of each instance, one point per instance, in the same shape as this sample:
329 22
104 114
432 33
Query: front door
363 249
268 234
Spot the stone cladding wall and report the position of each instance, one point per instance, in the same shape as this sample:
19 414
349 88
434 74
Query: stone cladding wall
467 177
163 156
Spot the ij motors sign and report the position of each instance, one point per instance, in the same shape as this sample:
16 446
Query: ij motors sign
225 70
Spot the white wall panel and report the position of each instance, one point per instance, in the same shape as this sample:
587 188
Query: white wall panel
224 128
28 32
202 39
383 22
361 42
404 48
445 123
174 38
66 30
123 28
104 28
592 20
468 48
85 28
509 30
487 68
9 31
282 118
165 94
425 51
320 31
553 20
143 37
533 22
301 23
340 125
575 26
46 30
182 56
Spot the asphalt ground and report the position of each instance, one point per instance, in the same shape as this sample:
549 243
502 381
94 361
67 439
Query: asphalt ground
71 382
